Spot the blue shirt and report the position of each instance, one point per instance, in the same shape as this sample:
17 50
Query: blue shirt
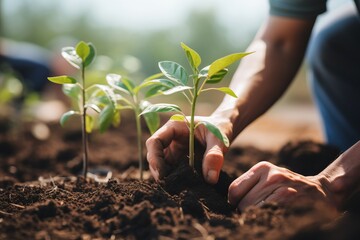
299 8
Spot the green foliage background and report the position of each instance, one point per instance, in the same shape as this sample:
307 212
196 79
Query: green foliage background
44 24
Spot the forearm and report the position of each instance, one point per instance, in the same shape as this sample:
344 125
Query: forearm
341 179
263 76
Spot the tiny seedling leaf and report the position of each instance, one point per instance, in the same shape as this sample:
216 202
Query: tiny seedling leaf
91 56
174 71
216 131
62 79
217 77
114 80
66 116
157 82
70 55
93 106
116 119
193 57
156 90
176 89
152 77
82 50
107 91
224 62
129 85
225 90
161 107
178 117
89 123
152 119
71 90
106 118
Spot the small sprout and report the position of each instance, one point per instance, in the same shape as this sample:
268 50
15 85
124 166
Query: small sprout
191 86
128 97
97 97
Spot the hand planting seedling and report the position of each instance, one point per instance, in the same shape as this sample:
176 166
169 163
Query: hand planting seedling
128 97
97 97
178 81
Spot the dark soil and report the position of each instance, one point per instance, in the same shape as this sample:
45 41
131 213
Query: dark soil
41 196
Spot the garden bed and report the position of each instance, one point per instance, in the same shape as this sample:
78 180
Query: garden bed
41 196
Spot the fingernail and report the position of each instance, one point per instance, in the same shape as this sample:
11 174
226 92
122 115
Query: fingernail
211 176
154 173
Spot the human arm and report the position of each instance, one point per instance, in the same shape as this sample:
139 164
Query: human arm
265 182
259 81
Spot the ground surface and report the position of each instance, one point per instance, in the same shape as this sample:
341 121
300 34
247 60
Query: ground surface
41 197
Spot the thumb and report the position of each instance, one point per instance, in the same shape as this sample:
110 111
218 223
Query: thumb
213 160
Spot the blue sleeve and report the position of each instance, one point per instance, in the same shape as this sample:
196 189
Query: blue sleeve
297 8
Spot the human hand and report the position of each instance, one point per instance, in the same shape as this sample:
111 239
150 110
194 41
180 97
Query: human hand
265 182
170 144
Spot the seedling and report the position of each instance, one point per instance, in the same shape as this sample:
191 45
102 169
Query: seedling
97 97
128 97
178 81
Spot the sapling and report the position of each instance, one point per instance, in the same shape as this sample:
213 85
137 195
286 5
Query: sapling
128 96
191 86
97 97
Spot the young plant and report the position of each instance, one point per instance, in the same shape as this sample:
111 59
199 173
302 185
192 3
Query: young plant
97 97
128 97
178 81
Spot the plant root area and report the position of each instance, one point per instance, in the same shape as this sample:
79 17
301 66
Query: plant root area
44 196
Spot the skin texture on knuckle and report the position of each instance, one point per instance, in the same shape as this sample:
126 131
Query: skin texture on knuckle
276 177
262 166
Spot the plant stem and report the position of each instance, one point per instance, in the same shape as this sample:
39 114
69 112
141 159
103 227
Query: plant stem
83 124
192 127
139 139
192 137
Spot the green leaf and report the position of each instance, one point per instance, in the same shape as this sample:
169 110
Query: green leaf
204 72
129 85
70 55
178 117
116 119
174 71
93 106
224 62
114 80
216 131
91 56
166 82
89 123
82 50
161 107
225 90
106 118
176 89
67 115
217 77
152 119
71 90
152 77
100 101
192 56
62 79
107 91
143 85
156 90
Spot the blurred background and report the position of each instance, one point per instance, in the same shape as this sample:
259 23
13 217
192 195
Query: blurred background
132 36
